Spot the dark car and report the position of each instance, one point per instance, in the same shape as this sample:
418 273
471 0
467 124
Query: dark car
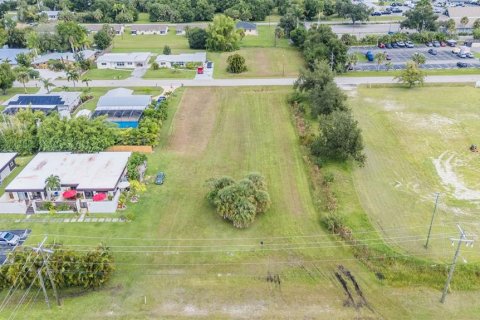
397 10
436 43
376 13
469 55
388 46
394 45
429 44
462 64
432 52
160 178
386 12
209 64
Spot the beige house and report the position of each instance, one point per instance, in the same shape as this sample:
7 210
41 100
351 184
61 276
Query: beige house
159 29
249 28
118 29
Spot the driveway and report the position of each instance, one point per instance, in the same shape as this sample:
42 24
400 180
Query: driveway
6 249
139 72
207 73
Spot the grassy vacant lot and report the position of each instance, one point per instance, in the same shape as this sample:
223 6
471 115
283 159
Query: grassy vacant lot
106 74
165 73
417 143
261 63
264 39
150 43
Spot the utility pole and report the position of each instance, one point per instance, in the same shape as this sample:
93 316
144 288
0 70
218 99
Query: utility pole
332 57
437 194
42 284
42 251
468 242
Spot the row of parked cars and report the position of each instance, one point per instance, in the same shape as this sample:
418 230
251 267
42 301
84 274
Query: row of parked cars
397 44
387 11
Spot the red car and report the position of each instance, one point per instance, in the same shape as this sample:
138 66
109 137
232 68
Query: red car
381 45
443 44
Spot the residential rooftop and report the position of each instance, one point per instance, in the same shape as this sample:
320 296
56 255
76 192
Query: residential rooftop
246 25
65 56
6 158
183 57
124 57
149 27
460 12
86 171
10 54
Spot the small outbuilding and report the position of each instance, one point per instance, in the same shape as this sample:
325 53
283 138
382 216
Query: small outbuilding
249 28
51 15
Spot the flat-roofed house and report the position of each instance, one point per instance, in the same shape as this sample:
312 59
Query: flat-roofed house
44 102
249 28
7 164
118 29
90 182
160 29
52 15
123 60
180 29
181 60
122 107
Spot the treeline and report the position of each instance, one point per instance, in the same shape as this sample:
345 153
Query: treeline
69 269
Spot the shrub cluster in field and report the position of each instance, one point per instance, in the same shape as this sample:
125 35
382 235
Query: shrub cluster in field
69 269
239 201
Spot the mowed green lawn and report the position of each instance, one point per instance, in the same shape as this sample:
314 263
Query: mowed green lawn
261 63
406 133
150 43
178 258
165 73
106 74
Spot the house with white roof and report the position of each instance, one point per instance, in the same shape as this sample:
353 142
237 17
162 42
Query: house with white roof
118 29
129 60
7 164
44 102
181 60
122 107
10 54
159 29
52 14
89 182
41 62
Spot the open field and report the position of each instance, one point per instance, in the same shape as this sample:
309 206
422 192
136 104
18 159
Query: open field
261 63
165 73
264 39
106 74
151 43
178 258
417 143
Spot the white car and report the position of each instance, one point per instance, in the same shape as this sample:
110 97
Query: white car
9 238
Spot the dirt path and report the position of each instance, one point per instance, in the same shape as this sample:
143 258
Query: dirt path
194 122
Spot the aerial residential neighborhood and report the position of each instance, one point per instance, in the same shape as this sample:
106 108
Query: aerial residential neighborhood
250 159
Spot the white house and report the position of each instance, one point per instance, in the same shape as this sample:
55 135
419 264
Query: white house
181 60
52 15
160 29
90 182
249 28
180 29
118 29
45 102
123 60
7 164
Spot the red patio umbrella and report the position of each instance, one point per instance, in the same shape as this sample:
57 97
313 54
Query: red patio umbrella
69 194
99 197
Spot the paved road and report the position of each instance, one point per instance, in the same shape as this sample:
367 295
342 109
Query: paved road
248 82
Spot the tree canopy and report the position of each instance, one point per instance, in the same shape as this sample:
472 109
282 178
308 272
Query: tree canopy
197 38
222 35
412 75
236 64
239 201
355 12
104 37
421 18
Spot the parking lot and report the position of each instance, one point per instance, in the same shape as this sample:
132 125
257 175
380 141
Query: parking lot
5 249
444 59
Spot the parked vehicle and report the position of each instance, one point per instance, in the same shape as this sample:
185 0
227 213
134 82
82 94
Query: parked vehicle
401 44
381 45
469 55
388 57
456 50
388 46
436 43
409 44
462 55
397 10
209 64
386 12
451 43
462 64
394 45
370 56
429 44
160 178
9 238
442 44
433 52
376 13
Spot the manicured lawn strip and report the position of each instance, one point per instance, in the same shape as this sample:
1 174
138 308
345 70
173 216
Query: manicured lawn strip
165 73
150 43
261 63
106 74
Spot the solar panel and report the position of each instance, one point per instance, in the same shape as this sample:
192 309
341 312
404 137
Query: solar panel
37 100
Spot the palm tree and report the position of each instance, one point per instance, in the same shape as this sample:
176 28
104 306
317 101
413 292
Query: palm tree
352 60
72 75
23 77
464 21
52 183
380 57
86 81
47 84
